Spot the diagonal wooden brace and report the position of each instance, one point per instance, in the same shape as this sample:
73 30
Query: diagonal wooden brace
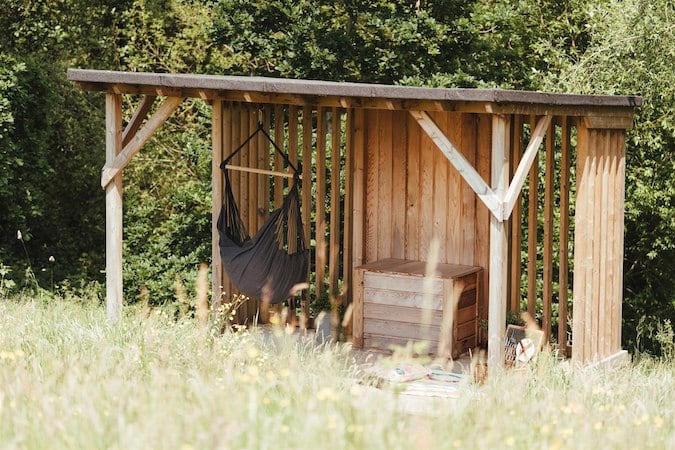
139 139
137 119
463 166
524 166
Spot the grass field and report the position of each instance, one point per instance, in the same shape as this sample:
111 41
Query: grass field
67 380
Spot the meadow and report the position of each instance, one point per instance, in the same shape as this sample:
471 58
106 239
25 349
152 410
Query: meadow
69 380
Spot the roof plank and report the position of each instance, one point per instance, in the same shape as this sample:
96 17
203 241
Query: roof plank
282 90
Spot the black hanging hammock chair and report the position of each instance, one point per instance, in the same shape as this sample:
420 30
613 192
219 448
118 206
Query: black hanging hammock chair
268 265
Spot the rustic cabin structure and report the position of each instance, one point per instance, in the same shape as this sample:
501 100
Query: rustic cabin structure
395 177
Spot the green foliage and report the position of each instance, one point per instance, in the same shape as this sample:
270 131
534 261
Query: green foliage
632 52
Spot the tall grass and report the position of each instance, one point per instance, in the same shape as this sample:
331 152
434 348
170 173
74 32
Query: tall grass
69 380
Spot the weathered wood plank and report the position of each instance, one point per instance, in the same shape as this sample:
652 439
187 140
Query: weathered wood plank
426 194
377 292
320 211
515 222
264 163
563 273
395 329
278 160
307 128
412 237
401 313
532 226
399 185
581 241
113 211
359 196
384 197
347 224
547 295
460 163
335 157
468 215
620 192
217 125
253 207
439 200
604 296
357 312
482 242
372 184
498 246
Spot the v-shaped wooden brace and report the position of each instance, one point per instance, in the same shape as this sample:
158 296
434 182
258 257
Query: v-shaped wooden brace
134 140
500 207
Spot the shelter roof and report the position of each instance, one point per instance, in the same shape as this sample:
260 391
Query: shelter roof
343 94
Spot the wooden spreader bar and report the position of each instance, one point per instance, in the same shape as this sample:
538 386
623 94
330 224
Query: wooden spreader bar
260 171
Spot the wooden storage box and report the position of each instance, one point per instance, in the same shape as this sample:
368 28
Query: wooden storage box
390 305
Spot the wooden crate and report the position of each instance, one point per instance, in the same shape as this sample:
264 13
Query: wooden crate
392 299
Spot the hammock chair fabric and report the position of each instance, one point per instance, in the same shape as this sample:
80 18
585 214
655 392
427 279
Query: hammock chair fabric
267 266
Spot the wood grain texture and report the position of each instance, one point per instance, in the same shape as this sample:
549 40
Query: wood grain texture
113 212
398 183
482 242
384 191
563 272
335 159
515 221
217 125
307 131
357 312
532 226
413 199
320 209
547 294
498 247
372 184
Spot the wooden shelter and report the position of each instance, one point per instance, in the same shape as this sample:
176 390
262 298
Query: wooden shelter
387 170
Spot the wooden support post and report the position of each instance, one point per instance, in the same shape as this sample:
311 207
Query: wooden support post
547 295
320 267
113 211
307 128
532 204
334 250
515 222
217 201
563 279
498 247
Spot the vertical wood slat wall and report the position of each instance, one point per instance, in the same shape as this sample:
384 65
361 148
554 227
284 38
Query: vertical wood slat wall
299 133
400 192
598 252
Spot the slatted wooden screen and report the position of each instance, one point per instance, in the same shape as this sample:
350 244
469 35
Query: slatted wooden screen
316 138
540 230
598 251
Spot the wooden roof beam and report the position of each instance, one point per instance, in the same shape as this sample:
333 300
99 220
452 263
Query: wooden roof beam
139 139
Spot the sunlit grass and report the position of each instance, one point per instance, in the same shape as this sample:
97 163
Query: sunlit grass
69 380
